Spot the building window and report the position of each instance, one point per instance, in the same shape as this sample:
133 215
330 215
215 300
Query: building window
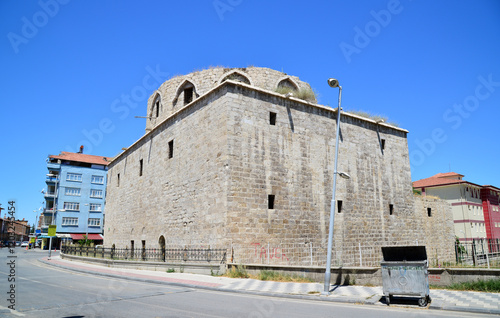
339 206
67 221
272 119
188 95
171 149
94 222
429 212
382 144
97 179
270 202
71 206
118 180
140 167
156 106
391 209
95 193
95 207
72 191
74 177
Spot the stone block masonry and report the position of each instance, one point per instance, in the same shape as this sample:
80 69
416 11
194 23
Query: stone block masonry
239 165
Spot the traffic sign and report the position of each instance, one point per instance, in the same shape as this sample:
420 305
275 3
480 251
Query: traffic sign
52 230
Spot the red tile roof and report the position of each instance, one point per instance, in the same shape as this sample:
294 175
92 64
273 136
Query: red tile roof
439 179
80 157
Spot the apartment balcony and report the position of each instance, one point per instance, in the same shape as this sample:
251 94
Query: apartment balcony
53 166
48 211
50 179
49 195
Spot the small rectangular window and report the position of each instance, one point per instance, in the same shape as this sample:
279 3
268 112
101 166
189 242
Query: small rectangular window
171 149
74 177
66 221
270 201
140 167
339 206
391 209
94 222
72 191
97 179
382 144
95 193
272 119
429 212
188 95
118 180
71 206
95 207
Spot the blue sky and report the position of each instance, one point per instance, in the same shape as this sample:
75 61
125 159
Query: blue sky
77 72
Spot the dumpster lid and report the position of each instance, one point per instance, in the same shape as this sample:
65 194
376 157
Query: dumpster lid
404 253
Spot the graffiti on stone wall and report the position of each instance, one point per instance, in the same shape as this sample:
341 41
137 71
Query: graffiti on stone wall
261 252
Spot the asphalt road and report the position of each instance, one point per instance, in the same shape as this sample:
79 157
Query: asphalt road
45 291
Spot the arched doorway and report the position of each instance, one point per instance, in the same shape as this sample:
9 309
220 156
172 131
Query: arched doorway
161 241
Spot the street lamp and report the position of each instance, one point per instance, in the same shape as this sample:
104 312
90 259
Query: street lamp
333 83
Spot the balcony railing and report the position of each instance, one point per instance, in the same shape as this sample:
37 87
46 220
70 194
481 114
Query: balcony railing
179 255
49 195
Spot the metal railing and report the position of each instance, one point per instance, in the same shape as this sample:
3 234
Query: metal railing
309 254
177 255
478 252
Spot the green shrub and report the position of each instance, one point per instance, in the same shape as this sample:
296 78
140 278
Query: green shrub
491 286
362 113
278 277
306 94
239 271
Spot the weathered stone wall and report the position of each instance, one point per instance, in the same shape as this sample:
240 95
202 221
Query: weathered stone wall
440 248
172 95
229 158
181 198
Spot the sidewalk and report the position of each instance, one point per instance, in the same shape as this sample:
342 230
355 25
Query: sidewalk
441 299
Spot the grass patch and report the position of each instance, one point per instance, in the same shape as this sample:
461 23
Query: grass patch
490 286
306 94
373 117
171 270
239 271
278 277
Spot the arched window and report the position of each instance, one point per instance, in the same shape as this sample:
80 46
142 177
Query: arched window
237 77
155 108
186 92
288 83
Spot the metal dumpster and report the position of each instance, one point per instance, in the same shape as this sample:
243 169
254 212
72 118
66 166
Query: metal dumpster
405 272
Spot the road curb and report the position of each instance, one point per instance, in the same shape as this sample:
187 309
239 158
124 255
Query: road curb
373 300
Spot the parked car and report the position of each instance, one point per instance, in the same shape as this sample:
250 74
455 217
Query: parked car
25 244
18 243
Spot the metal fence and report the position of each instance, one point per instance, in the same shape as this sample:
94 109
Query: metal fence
482 252
177 255
477 253
308 254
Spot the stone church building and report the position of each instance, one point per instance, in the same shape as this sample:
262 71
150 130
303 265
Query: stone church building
230 160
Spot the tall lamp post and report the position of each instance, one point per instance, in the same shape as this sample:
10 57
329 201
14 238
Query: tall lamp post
333 83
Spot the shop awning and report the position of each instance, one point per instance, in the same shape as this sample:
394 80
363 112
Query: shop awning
93 237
